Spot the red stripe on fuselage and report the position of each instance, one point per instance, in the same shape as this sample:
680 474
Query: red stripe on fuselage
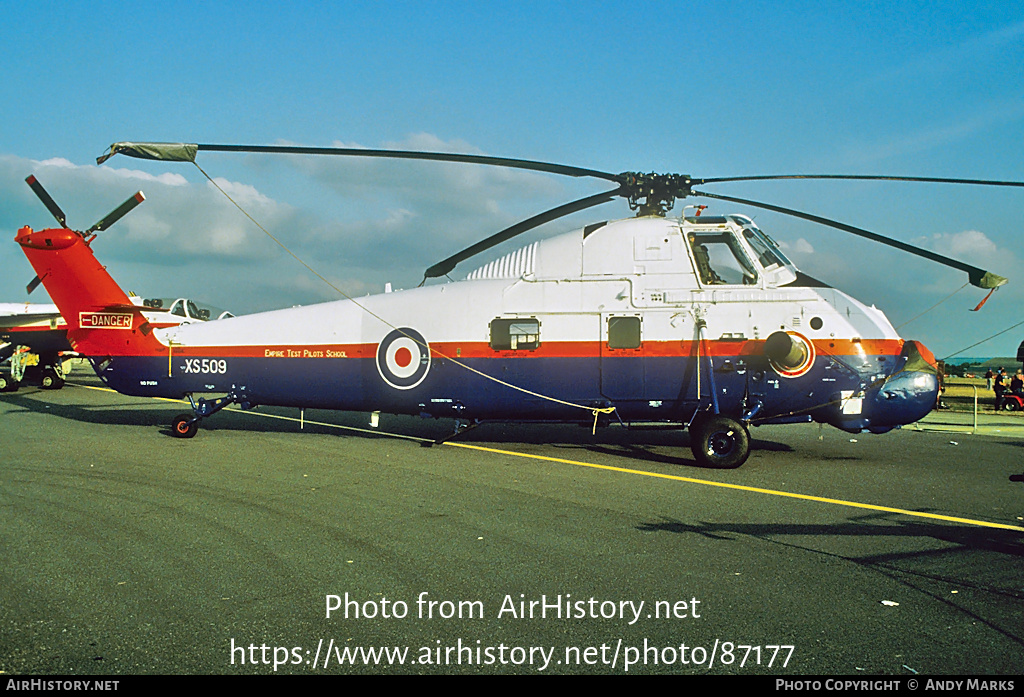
551 349
26 329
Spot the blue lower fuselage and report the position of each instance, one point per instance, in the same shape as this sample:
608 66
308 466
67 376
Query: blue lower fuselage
875 392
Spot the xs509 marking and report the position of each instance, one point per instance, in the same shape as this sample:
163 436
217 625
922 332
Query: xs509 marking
199 366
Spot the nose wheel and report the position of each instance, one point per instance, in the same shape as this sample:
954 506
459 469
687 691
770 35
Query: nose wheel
719 442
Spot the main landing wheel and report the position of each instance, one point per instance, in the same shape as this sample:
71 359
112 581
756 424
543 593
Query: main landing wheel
184 426
719 441
7 383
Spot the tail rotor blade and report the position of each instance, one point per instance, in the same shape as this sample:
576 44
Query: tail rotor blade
33 284
50 204
117 214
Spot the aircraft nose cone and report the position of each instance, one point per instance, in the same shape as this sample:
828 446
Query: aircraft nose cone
911 392
906 397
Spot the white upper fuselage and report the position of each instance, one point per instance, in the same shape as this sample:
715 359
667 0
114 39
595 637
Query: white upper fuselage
671 273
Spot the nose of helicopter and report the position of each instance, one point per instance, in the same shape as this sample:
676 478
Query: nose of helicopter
910 392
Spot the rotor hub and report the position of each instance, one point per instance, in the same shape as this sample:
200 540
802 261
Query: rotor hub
654 194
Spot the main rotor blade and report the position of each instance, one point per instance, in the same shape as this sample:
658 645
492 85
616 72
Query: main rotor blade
50 204
185 152
444 267
859 177
978 277
117 213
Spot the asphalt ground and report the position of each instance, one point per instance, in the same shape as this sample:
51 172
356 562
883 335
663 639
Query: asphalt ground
126 551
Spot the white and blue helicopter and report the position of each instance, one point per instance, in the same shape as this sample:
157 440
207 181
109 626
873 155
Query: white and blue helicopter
699 321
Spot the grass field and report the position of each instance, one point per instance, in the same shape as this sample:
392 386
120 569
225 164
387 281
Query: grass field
959 395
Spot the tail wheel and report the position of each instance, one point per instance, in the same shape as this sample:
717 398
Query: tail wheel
184 426
719 442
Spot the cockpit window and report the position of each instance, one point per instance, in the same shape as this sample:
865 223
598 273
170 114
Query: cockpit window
766 255
719 259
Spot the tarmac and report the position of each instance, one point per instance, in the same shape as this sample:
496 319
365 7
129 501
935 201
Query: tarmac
512 549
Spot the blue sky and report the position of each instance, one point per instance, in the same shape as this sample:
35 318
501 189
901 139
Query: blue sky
708 89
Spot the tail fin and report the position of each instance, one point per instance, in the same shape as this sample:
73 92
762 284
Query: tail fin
87 296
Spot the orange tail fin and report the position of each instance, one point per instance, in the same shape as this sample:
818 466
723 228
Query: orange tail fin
86 295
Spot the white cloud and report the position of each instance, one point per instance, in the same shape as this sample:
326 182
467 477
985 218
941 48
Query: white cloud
971 246
243 194
800 247
185 239
380 221
56 162
431 143
166 178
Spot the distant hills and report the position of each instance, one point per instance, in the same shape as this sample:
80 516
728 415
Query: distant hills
986 362
978 365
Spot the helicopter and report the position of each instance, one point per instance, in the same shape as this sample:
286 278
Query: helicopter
700 322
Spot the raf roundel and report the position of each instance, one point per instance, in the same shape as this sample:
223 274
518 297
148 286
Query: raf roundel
403 358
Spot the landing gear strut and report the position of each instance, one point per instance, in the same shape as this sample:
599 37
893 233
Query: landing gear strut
187 425
719 441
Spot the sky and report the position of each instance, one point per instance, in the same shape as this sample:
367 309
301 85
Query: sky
715 89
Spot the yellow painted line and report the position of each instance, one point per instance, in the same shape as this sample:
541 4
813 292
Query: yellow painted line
644 473
740 487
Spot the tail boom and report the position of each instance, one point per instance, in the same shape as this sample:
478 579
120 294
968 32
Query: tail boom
102 320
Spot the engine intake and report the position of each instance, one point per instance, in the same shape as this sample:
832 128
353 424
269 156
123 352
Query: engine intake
789 353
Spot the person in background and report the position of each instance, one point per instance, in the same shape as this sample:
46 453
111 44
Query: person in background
988 379
999 386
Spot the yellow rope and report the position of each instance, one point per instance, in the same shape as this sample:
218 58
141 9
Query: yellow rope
594 410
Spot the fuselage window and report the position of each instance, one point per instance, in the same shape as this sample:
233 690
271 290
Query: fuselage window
623 332
515 334
720 261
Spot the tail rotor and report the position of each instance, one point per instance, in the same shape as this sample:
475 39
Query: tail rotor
55 210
